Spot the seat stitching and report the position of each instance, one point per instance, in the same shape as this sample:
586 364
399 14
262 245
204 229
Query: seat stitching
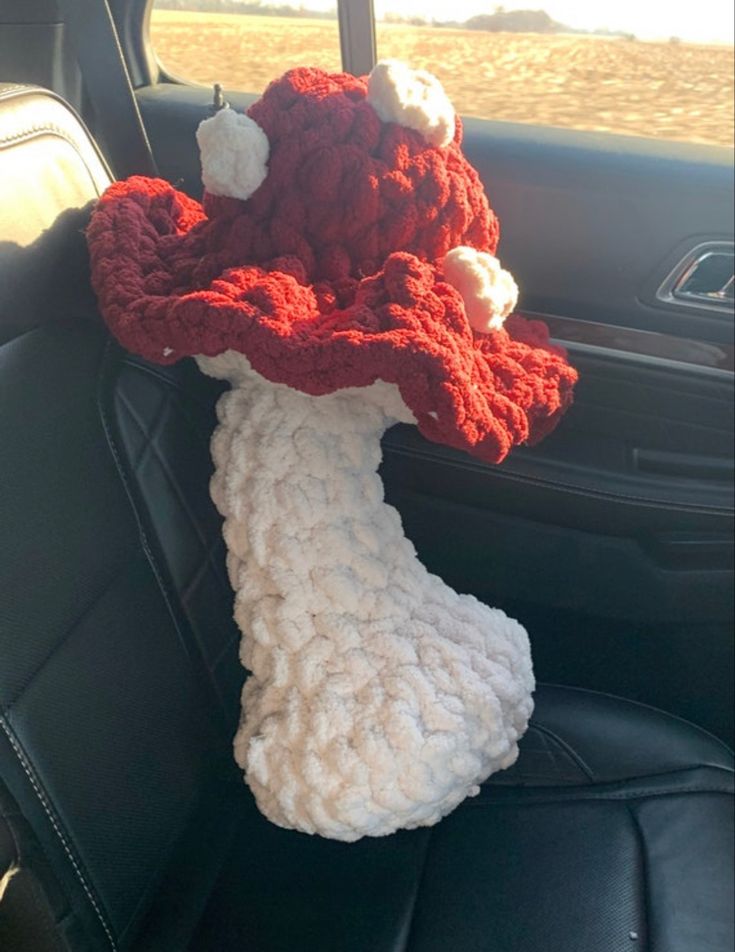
190 587
209 548
647 920
146 434
31 132
577 758
25 764
196 659
219 657
150 370
112 446
34 132
63 640
206 546
8 90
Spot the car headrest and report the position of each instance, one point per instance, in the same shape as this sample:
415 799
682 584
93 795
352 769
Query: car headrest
50 173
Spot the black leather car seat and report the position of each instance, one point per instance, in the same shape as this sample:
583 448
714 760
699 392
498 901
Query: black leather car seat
119 687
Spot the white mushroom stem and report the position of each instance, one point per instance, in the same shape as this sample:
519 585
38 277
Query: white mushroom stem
378 697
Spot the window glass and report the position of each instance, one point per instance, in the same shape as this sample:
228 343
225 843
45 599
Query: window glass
628 66
242 45
636 67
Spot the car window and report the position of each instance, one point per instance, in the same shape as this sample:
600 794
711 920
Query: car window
245 47
647 69
650 69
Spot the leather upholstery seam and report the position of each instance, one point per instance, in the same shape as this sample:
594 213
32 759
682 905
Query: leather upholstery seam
197 663
645 863
222 653
11 90
78 140
577 758
60 643
56 824
33 132
135 464
667 715
193 583
129 360
208 546
142 535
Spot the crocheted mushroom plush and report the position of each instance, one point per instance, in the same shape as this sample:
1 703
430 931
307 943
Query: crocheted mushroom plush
341 275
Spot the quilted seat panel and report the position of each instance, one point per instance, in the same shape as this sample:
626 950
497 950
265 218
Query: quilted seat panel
160 421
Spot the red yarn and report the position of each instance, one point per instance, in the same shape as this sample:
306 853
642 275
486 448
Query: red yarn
329 276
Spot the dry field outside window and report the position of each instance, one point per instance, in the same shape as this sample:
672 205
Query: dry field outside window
678 91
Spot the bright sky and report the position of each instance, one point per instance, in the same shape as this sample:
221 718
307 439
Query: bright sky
704 21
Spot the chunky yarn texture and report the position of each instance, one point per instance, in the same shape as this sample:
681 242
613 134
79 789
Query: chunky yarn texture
343 277
330 275
378 697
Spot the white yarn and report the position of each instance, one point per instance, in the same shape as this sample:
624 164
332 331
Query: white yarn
413 98
234 154
489 292
378 697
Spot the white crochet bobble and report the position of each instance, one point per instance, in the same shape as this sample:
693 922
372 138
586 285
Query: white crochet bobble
234 154
413 98
489 292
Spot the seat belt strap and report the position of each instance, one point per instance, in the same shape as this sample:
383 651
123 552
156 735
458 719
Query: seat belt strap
91 30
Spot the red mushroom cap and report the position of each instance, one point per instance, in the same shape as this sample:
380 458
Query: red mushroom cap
329 275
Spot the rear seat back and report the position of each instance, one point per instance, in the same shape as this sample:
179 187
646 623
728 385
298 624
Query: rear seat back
108 731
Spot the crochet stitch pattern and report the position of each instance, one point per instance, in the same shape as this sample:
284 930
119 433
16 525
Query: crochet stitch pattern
330 275
378 698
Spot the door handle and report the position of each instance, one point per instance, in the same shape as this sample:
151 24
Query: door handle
704 279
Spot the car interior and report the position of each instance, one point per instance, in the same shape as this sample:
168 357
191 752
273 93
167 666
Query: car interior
124 822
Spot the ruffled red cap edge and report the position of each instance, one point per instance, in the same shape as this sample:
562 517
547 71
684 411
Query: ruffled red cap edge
404 325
